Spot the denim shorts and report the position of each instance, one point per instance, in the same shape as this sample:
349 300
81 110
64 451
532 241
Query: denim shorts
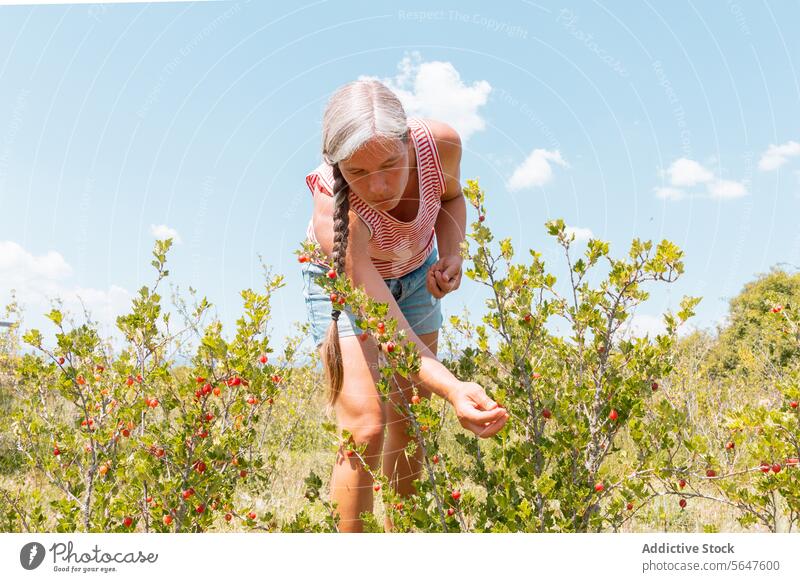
422 310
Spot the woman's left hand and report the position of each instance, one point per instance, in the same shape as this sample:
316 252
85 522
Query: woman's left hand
444 275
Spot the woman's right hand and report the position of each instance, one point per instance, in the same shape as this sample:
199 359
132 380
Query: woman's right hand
476 411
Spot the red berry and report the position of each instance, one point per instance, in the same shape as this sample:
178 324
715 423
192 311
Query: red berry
682 503
331 274
334 297
149 500
613 415
200 467
381 327
350 452
56 451
711 473
527 318
654 386
81 380
200 379
61 361
153 402
236 380
398 506
188 493
793 404
129 381
377 487
776 468
682 483
159 453
765 467
276 379
415 399
342 300
251 515
546 413
126 433
228 517
200 508
139 378
599 487
198 393
363 337
242 473
456 495
481 218
450 511
263 359
390 347
729 445
435 459
302 259
167 519
209 417
127 522
629 506
217 391
536 375
207 388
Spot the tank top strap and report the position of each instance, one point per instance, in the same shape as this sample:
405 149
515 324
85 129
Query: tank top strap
429 162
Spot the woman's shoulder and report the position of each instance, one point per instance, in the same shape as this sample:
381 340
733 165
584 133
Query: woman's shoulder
448 140
320 179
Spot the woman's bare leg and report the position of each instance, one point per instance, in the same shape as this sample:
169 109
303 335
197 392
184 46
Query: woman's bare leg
400 468
360 410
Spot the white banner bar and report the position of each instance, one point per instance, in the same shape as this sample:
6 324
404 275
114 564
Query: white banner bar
401 557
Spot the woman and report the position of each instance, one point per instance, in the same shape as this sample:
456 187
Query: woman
387 185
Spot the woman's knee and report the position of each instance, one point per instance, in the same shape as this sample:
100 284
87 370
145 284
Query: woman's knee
366 427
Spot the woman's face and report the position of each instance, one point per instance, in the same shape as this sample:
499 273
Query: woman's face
378 172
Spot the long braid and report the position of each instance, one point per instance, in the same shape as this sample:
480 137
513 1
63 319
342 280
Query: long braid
332 351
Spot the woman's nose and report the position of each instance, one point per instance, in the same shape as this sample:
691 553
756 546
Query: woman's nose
377 185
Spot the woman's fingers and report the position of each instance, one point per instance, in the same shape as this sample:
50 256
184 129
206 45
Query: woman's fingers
484 416
433 286
443 282
486 430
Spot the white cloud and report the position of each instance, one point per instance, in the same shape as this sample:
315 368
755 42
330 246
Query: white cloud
435 89
726 189
777 155
536 170
685 172
162 231
581 234
642 325
667 193
38 279
18 266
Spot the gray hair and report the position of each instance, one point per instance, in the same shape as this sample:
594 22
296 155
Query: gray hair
358 112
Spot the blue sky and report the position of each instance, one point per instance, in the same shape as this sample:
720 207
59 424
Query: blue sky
659 120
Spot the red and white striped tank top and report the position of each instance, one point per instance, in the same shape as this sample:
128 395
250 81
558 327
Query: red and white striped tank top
396 247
